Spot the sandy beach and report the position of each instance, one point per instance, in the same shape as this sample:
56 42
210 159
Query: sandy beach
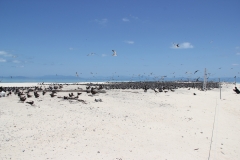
128 124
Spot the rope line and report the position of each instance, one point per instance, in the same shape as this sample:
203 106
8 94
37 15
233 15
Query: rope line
212 132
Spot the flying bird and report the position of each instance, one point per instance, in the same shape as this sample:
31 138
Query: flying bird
176 45
91 54
114 53
196 71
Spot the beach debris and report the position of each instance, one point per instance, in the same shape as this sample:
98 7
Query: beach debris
196 149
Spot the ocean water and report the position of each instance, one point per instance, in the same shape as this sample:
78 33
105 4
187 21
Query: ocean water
72 79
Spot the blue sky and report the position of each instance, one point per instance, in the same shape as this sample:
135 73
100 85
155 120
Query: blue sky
55 37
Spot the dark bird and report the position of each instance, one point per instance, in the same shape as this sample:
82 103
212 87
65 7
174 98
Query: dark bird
36 94
196 71
44 92
76 97
70 94
29 96
31 102
52 95
91 54
22 99
93 91
176 45
145 89
114 53
194 94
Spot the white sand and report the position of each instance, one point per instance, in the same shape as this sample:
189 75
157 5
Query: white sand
128 124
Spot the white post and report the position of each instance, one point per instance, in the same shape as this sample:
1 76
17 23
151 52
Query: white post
235 81
205 80
220 88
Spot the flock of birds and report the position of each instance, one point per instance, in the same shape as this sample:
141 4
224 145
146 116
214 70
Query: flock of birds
26 92
92 54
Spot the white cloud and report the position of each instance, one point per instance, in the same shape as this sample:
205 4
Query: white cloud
129 42
104 55
70 48
125 20
101 21
238 54
3 53
16 61
134 17
184 45
235 64
2 60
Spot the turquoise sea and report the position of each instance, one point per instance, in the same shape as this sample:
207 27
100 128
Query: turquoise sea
73 79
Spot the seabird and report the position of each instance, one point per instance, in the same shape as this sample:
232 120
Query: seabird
70 94
93 91
114 53
52 94
23 98
90 54
29 96
196 71
176 45
31 103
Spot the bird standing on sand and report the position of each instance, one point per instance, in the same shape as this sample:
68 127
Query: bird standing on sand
94 91
114 53
52 94
28 95
31 102
22 99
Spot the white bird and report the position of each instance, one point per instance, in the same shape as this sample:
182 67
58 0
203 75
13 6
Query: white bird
114 53
176 45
